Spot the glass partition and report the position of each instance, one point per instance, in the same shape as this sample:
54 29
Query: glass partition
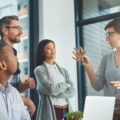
94 8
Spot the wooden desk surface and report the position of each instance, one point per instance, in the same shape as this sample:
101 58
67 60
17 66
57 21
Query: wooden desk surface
117 110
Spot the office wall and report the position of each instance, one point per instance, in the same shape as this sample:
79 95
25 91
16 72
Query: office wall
57 23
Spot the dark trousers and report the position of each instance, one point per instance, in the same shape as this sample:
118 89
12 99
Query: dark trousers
59 113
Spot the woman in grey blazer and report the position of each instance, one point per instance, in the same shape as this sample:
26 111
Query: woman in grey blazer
53 84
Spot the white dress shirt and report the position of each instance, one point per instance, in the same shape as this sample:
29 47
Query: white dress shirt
57 77
11 104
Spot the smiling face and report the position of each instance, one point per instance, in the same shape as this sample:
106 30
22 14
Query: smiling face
113 38
49 51
13 31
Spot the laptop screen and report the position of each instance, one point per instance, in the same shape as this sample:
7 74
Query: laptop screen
99 108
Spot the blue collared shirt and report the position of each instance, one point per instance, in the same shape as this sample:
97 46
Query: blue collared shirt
11 104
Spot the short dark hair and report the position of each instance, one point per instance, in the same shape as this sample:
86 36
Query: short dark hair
1 50
5 21
40 51
115 23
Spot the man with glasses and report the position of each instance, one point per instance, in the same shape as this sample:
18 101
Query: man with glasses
10 31
109 69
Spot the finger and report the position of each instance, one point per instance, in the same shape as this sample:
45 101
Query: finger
31 113
115 85
30 79
76 59
113 82
77 52
82 51
31 82
26 80
118 87
32 85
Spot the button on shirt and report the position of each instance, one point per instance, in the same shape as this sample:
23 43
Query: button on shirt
11 105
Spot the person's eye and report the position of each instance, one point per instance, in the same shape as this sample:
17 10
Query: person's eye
48 48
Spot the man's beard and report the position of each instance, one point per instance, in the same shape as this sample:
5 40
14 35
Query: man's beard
15 40
17 71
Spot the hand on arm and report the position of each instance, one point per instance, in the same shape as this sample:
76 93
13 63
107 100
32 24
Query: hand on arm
28 83
27 102
49 80
46 86
68 93
53 89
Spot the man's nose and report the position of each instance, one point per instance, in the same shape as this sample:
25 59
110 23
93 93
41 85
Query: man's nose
16 58
107 39
21 31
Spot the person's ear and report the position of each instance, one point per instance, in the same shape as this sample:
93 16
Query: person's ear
3 65
5 31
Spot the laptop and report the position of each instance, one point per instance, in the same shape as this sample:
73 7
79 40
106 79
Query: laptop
99 108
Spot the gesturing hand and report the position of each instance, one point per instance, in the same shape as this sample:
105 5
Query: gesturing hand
80 55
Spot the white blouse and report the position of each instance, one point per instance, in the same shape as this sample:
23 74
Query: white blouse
57 77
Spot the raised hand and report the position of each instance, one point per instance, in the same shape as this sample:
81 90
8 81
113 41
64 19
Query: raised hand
80 56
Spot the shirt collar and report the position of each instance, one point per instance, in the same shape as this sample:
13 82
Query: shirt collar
49 64
7 89
3 42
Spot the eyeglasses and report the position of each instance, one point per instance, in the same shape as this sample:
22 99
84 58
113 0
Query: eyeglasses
108 34
18 28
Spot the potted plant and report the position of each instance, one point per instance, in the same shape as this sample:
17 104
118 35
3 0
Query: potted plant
74 115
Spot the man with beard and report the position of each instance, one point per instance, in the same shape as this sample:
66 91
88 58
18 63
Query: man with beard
10 31
11 104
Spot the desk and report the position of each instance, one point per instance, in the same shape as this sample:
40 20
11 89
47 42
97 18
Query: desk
117 110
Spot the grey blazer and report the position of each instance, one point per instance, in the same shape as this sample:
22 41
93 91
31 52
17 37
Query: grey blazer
45 90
